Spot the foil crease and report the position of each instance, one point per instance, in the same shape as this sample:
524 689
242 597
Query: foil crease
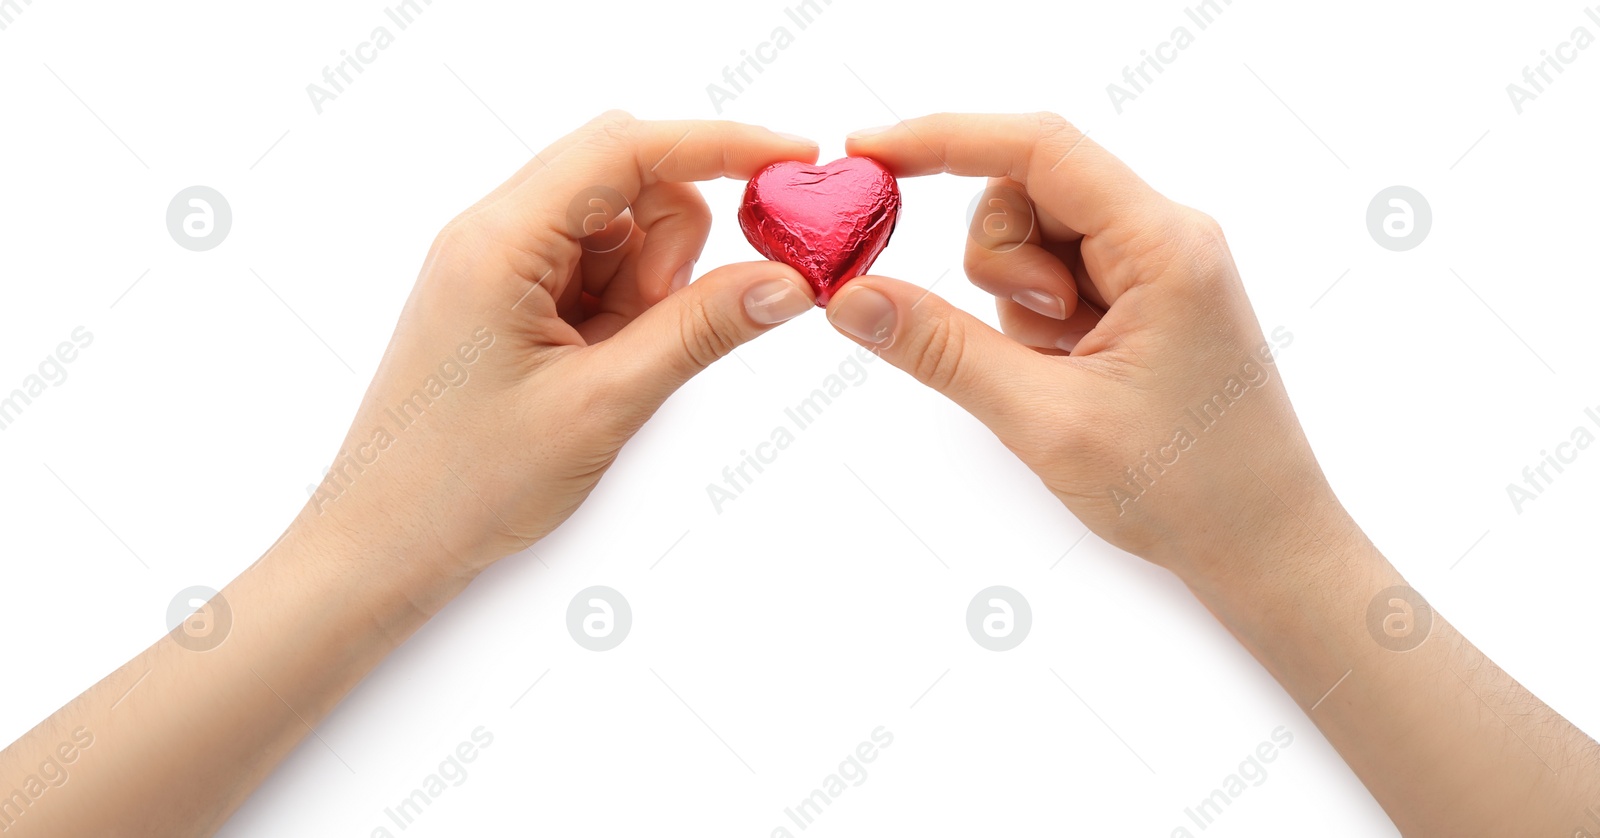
827 222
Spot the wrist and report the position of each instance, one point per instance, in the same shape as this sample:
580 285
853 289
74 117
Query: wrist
395 573
1311 577
1266 514
423 512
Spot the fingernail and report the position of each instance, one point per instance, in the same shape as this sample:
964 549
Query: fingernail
1048 305
1069 341
864 314
796 138
681 278
867 132
774 301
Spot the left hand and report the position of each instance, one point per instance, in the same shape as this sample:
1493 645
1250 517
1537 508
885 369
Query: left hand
549 322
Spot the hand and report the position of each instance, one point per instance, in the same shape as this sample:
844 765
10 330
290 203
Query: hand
549 322
1132 376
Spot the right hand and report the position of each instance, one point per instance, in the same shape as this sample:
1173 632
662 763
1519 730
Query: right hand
1131 376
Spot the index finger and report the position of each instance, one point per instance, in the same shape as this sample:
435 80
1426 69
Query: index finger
1068 175
616 156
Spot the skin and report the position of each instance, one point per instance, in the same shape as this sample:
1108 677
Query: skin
560 338
590 334
1157 322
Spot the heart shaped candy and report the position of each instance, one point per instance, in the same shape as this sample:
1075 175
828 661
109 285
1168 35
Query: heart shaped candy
827 222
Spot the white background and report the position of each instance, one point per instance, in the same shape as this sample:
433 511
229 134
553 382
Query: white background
805 615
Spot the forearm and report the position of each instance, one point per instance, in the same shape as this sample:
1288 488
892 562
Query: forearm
1446 742
179 737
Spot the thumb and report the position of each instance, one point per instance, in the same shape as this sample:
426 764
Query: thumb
695 326
990 375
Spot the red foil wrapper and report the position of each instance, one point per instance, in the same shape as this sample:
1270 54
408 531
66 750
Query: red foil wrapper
827 222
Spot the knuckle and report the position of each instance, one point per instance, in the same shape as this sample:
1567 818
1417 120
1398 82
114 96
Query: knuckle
938 355
1202 227
462 236
706 335
1203 237
694 208
611 129
476 239
614 116
1052 125
616 134
1202 247
973 258
1054 137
